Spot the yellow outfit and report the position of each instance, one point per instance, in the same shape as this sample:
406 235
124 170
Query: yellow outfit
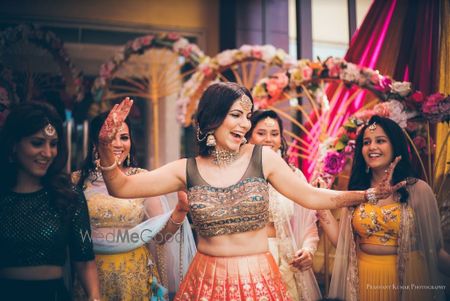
123 276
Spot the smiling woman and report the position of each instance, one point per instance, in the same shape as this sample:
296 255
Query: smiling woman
228 195
41 213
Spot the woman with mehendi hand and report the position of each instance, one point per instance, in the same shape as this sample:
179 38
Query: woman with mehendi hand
127 271
42 214
390 247
227 186
290 225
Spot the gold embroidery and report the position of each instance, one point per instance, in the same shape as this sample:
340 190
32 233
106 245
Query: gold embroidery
239 208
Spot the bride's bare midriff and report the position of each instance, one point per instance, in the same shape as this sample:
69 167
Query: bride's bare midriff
378 249
238 244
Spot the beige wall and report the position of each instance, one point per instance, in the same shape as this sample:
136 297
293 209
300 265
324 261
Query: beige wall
201 16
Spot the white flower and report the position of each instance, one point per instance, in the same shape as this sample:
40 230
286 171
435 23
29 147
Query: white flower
268 52
401 88
225 58
246 50
350 73
180 44
397 112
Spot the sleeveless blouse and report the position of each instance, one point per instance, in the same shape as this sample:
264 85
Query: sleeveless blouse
238 208
377 225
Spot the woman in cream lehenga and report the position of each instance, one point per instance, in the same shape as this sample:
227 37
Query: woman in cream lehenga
389 248
129 267
292 229
228 194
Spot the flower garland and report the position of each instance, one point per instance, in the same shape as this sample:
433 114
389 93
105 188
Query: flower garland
209 68
139 45
50 42
434 108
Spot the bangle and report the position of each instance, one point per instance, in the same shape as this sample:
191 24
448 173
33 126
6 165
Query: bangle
174 222
370 196
107 168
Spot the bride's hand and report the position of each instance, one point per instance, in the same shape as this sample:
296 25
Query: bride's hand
114 121
384 189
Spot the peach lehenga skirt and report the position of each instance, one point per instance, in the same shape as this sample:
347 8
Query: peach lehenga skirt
240 278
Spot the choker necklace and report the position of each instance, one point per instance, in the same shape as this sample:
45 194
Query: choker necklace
222 157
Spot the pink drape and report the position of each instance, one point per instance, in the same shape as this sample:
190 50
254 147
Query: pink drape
400 39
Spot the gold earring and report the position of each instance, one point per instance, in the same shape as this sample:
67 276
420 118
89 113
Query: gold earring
211 140
128 160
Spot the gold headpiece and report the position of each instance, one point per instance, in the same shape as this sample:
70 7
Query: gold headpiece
270 122
373 127
50 130
245 102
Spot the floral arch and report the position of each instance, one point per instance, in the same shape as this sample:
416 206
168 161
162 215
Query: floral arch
19 38
245 66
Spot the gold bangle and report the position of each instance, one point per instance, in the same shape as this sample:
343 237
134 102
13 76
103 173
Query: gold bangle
174 222
107 168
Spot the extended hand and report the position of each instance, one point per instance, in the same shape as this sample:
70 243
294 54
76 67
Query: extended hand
384 189
114 121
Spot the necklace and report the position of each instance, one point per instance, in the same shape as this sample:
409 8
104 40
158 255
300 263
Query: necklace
223 157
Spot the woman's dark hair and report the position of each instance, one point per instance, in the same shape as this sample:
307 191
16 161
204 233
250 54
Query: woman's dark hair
24 120
88 165
258 116
213 107
360 179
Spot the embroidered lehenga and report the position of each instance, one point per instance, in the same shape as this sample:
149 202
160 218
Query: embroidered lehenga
295 227
238 208
413 227
130 265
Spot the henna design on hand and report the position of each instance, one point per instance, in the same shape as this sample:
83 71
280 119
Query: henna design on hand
114 121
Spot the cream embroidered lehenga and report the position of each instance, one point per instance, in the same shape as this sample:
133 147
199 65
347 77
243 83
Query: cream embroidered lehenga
295 228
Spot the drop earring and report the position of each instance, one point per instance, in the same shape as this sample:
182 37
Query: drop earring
210 139
128 160
367 169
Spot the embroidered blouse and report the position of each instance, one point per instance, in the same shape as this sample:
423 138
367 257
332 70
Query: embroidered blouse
377 225
106 211
238 208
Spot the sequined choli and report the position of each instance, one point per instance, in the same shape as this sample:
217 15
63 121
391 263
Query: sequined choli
106 211
238 208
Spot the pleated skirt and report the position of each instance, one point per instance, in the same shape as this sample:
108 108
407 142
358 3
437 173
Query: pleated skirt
238 278
378 279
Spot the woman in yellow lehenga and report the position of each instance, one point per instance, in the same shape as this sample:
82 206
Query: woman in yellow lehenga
387 249
121 228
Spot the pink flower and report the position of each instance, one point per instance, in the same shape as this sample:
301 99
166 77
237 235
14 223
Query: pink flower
281 80
334 162
417 97
106 69
186 51
334 67
257 52
146 40
384 84
273 89
173 36
307 73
